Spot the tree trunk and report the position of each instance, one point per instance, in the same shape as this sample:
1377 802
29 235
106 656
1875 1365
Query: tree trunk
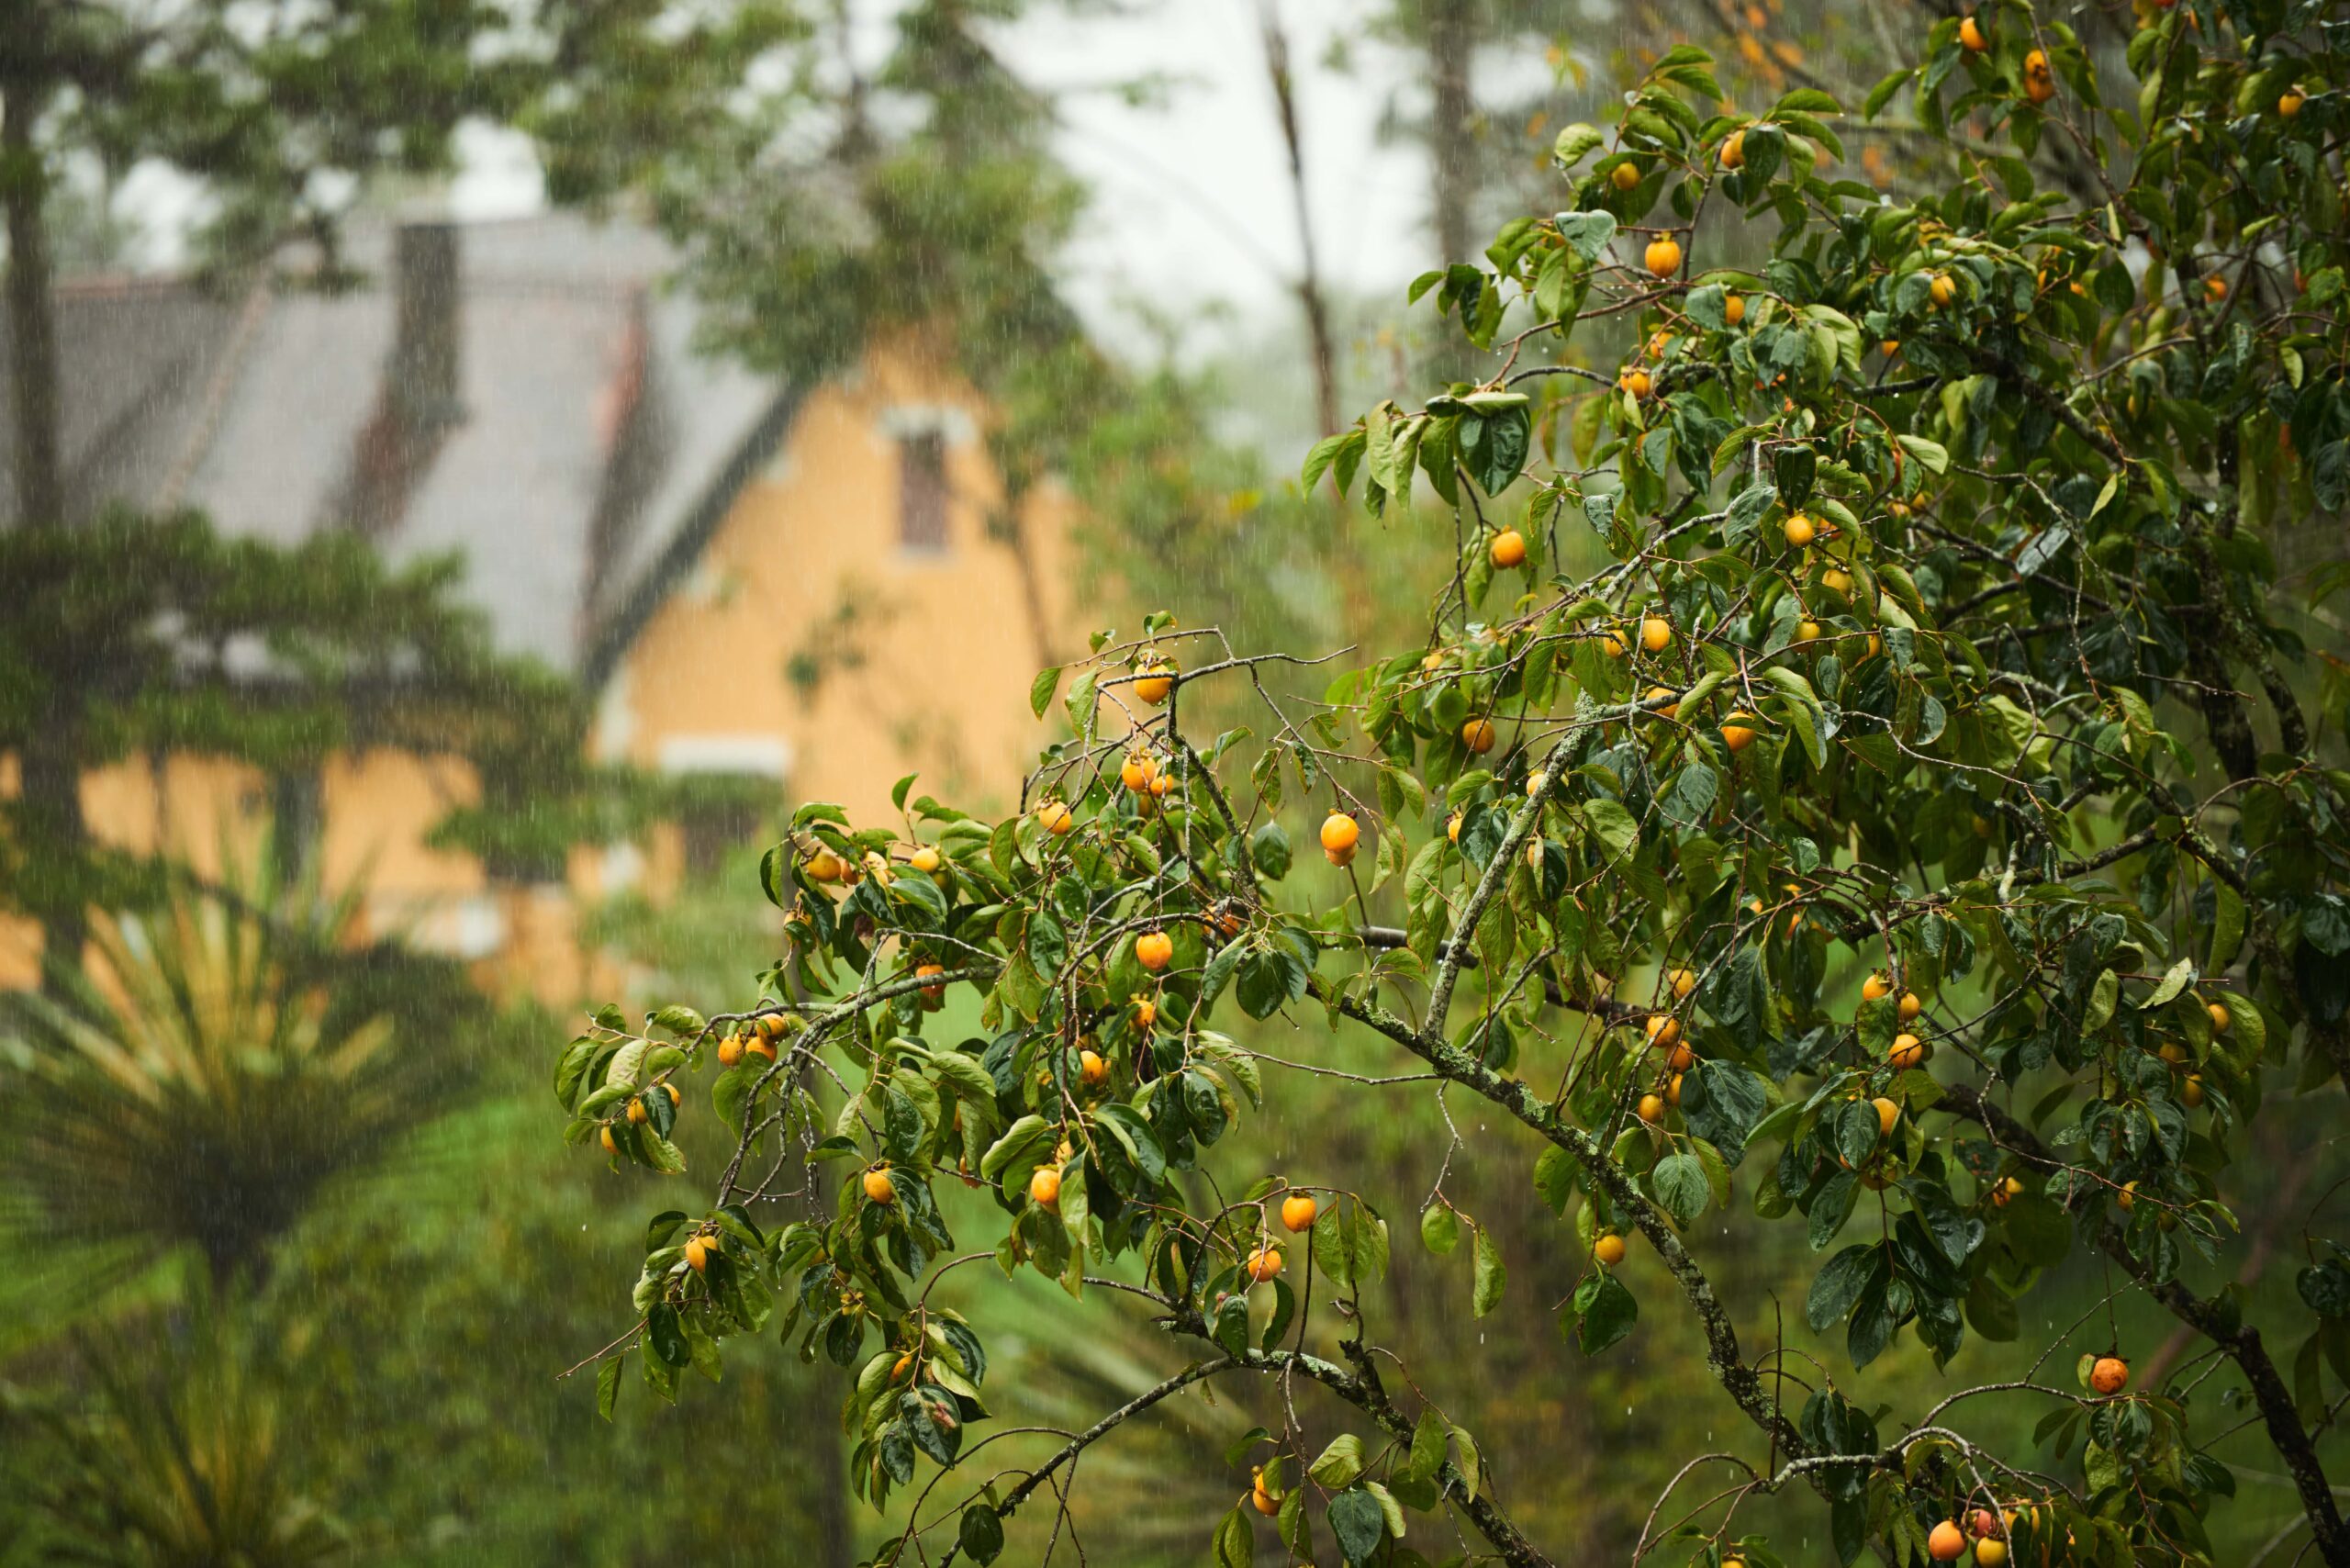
1452 157
32 324
50 798
1310 293
1357 609
1452 32
50 780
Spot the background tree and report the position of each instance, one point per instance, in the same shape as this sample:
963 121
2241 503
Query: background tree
281 114
1903 731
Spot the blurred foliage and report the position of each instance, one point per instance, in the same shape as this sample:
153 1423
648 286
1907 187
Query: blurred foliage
283 111
224 1056
440 1421
167 1448
190 1096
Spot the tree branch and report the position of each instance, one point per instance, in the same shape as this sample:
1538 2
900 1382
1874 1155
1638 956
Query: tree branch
1723 1358
1449 967
1614 1012
1196 1372
1361 1388
2240 1340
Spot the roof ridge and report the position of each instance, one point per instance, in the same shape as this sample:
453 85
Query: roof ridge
539 285
213 406
123 285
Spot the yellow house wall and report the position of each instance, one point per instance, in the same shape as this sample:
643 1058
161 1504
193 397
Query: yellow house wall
378 807
210 814
201 810
20 938
927 654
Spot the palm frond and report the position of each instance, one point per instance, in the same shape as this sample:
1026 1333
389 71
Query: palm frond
179 1466
195 1087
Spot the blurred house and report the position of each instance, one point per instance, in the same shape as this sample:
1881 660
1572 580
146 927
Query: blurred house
805 585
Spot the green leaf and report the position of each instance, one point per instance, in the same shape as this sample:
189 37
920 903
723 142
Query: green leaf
982 1533
1339 1463
1359 1522
1367 1237
1554 1178
1439 1229
1040 691
1800 719
1932 454
664 1331
1135 1136
682 1022
572 1070
1295 1527
1587 233
1471 1465
1270 979
1839 1285
2325 1287
1334 1251
1079 702
2102 996
964 1073
1881 93
1808 100
1236 1540
1268 851
608 1385
1723 1104
1427 1445
1679 1181
1614 826
1017 1139
1498 457
1831 1208
2176 981
1604 1311
2227 924
1492 1275
1574 143
1221 968
1323 454
661 1227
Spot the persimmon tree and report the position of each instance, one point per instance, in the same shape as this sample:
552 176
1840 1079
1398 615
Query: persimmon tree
1913 835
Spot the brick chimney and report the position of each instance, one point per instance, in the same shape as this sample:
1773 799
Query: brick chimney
417 403
427 294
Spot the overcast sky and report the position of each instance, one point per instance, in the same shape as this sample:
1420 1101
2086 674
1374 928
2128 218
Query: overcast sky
1193 199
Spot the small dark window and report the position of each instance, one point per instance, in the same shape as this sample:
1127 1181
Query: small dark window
922 491
719 820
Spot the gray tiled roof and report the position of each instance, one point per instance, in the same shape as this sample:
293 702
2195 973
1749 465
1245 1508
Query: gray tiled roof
253 410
